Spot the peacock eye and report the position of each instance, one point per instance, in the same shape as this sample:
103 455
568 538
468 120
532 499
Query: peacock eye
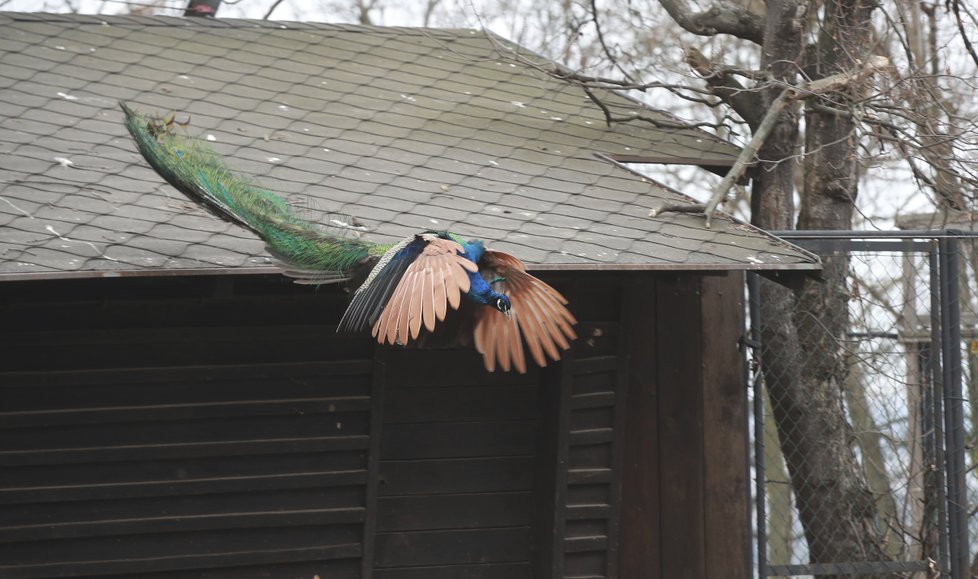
502 305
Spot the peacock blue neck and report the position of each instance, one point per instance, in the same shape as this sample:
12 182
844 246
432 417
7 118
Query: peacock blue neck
480 291
473 250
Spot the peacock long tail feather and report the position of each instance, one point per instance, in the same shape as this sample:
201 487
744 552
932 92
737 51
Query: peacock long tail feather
193 167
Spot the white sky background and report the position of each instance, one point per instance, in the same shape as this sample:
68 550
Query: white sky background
887 191
407 13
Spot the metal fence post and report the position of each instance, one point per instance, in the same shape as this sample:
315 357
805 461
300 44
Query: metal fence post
937 380
954 408
760 493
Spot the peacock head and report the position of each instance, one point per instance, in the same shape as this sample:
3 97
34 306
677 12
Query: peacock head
502 303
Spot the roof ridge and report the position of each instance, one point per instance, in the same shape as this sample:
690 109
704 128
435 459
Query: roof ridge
160 20
404 129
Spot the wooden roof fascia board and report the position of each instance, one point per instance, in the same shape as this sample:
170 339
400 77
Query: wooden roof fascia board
816 265
663 160
275 270
173 272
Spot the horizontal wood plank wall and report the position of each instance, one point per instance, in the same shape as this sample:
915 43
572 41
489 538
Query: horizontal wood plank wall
589 519
456 468
214 428
180 428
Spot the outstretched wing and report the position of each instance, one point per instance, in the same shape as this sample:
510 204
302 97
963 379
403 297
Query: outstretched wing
413 285
372 295
433 281
538 317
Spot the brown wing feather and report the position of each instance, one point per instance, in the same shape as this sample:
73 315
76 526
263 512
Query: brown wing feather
515 347
535 334
498 340
432 283
548 304
439 302
485 342
413 321
382 327
538 317
427 303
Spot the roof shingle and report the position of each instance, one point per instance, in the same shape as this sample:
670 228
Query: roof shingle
403 129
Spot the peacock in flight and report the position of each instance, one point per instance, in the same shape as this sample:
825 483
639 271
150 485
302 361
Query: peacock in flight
408 285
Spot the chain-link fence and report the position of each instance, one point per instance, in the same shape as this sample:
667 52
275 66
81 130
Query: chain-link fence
863 395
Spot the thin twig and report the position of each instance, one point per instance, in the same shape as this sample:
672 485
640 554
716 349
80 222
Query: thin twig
604 108
271 9
601 41
791 94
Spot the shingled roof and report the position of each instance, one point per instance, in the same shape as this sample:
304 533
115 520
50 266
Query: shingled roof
402 129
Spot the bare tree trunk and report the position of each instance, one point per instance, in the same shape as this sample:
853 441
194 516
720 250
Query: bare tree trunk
803 334
772 207
838 511
871 442
780 528
804 360
921 528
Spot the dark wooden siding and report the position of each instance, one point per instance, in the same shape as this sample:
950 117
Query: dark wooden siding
456 469
220 428
685 452
591 406
649 432
180 428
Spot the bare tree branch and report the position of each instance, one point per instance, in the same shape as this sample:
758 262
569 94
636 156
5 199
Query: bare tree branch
721 18
723 85
589 84
956 8
429 11
604 45
789 95
271 9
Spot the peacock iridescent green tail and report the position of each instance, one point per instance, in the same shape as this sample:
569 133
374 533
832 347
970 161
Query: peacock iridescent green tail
193 167
411 286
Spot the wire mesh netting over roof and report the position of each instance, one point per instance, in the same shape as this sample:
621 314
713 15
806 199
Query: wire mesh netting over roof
403 130
897 401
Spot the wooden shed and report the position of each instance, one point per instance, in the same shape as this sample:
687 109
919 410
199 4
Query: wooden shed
170 406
